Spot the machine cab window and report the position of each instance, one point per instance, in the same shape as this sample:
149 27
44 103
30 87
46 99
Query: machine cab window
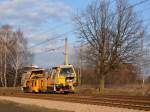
66 71
55 73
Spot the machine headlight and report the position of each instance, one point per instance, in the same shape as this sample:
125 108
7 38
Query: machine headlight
69 80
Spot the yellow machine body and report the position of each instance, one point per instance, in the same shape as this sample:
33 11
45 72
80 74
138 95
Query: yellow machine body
62 79
35 81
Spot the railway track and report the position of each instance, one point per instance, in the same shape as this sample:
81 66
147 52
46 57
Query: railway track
131 102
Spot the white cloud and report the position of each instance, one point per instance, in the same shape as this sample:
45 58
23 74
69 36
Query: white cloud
34 17
33 10
42 37
30 14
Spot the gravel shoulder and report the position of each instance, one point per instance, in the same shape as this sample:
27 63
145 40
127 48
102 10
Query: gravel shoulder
61 105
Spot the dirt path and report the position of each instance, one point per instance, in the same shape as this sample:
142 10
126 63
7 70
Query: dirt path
77 107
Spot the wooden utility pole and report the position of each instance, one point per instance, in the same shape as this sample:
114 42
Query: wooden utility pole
142 65
66 51
80 65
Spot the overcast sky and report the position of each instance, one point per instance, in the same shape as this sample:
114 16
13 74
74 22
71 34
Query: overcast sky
44 19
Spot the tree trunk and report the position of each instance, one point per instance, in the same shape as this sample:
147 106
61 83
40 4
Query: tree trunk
102 84
16 76
1 64
5 61
16 70
101 77
5 67
15 79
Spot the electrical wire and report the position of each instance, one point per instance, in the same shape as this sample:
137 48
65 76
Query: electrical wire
71 31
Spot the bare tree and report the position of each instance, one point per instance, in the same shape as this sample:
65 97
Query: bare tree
13 55
112 34
18 53
5 33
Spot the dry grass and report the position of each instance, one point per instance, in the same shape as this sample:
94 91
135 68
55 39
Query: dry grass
133 90
10 89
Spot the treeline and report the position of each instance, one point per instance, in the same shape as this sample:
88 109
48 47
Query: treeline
13 55
124 75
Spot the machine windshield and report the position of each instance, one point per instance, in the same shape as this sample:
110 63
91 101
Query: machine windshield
66 71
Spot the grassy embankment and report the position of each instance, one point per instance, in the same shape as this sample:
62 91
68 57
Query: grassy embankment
8 106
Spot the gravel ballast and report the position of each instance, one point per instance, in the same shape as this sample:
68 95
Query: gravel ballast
61 105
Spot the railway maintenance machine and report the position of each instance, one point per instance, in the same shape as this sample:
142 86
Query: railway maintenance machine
61 79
